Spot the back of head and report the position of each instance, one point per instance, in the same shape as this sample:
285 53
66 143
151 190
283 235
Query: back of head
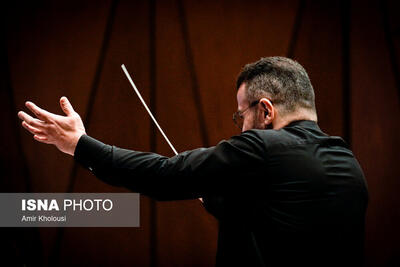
281 79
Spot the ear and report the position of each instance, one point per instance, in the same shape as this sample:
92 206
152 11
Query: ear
269 110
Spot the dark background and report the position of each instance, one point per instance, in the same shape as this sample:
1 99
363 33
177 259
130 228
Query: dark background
184 57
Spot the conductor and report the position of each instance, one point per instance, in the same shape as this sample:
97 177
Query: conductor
284 192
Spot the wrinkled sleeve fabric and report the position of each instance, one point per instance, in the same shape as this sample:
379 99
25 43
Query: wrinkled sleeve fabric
188 175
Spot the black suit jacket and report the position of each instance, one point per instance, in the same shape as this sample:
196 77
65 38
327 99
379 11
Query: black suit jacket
283 197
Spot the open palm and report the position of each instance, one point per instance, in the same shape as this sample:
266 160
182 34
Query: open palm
61 131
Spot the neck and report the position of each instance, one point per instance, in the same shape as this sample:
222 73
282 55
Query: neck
303 114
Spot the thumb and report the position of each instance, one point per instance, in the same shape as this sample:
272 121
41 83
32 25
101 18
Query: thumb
66 106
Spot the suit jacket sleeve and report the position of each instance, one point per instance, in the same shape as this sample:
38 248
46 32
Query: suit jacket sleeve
188 175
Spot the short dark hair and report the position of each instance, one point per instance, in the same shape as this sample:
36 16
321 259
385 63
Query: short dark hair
282 79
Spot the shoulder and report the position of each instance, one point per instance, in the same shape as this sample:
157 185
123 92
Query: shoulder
273 137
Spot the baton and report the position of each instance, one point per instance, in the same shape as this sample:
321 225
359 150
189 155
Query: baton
148 110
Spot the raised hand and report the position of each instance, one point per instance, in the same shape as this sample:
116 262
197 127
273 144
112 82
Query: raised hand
61 131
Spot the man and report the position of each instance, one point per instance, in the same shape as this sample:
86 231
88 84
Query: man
284 192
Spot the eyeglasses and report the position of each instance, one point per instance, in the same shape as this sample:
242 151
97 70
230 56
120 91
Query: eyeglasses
238 118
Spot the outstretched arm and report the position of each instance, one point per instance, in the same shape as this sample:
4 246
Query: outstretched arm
217 170
188 175
62 131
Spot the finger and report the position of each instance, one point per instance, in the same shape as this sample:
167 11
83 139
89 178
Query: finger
40 113
66 106
31 129
42 139
30 120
